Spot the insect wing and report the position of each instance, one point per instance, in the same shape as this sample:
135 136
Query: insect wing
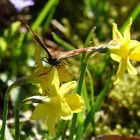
64 74
38 39
73 53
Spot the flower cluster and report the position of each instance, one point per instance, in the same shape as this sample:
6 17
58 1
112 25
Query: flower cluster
57 100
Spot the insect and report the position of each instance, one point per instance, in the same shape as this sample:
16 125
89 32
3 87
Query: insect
52 58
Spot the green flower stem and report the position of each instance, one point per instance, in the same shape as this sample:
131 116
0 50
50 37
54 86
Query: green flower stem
59 129
6 100
101 48
94 108
5 112
80 83
17 120
91 86
17 132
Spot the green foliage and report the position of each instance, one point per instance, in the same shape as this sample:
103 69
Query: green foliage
121 106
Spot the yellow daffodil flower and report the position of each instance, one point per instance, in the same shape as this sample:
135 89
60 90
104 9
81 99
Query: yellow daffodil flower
41 72
60 102
123 49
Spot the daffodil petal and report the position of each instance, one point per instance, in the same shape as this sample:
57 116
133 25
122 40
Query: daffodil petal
75 102
53 82
135 54
68 87
38 78
115 57
120 71
66 113
126 32
133 45
51 120
53 115
116 34
48 111
40 112
114 47
130 68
